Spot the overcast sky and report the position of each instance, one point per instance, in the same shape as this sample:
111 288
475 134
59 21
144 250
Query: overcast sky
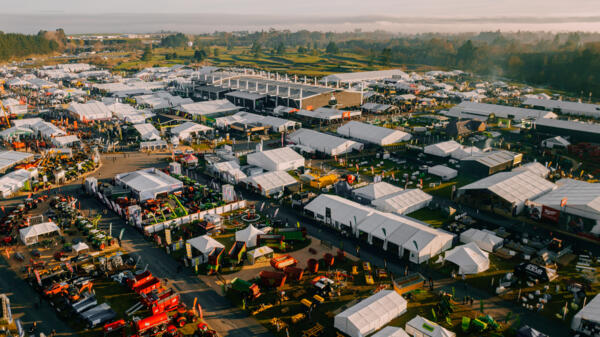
394 15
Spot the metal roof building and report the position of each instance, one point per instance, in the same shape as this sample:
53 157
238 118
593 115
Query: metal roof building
403 202
363 76
270 183
483 111
512 187
281 159
90 111
575 130
565 107
372 133
148 183
582 198
322 142
275 123
184 131
209 108
147 131
9 159
488 163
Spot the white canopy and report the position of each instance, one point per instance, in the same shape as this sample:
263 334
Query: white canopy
484 239
591 313
259 252
376 191
370 314
469 258
420 326
391 331
205 244
81 246
443 172
248 235
29 235
280 159
372 133
403 202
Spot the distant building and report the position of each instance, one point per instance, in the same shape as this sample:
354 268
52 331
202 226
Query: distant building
487 163
465 127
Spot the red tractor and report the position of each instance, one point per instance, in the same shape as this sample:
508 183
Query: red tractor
184 316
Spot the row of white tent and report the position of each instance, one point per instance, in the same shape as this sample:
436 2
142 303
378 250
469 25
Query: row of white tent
411 236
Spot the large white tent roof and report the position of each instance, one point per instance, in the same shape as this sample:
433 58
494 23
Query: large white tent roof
283 158
12 158
484 239
372 133
403 202
370 314
323 142
591 312
583 198
271 180
377 190
188 127
248 235
514 187
482 111
565 107
209 107
391 331
147 131
90 111
364 76
469 258
443 149
534 167
205 244
417 327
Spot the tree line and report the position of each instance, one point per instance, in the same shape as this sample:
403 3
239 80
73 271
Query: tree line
14 45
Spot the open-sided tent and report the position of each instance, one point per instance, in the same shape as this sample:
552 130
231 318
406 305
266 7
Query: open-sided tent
469 258
248 235
422 327
30 235
486 240
264 252
370 314
80 247
205 244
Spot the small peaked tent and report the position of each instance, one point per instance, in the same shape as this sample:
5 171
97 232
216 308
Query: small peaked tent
264 252
205 244
248 235
80 247
469 258
391 331
370 314
423 327
486 240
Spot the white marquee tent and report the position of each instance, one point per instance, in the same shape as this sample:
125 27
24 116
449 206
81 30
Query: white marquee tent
205 244
30 235
443 172
80 247
403 202
258 253
484 239
281 159
422 327
590 313
322 142
469 258
375 191
370 314
248 235
391 331
372 133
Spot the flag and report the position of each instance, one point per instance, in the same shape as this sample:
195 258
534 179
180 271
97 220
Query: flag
298 224
563 202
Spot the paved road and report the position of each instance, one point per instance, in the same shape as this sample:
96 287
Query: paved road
227 320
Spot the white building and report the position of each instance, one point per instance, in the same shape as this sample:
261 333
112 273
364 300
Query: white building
403 202
484 239
483 111
443 172
280 159
372 134
469 258
370 314
148 183
90 111
9 159
443 149
275 123
370 192
14 107
364 76
322 142
65 141
270 183
147 131
184 131
422 327
12 182
555 142
565 107
205 245
209 108
579 199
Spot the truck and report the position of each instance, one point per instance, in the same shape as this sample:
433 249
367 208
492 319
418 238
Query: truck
147 287
153 325
139 279
283 261
164 301
246 289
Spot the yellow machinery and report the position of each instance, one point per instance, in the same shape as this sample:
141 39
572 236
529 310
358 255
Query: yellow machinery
324 181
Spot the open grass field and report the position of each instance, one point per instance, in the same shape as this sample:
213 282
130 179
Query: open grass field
308 64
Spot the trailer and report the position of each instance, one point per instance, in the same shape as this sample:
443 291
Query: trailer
152 325
214 260
113 326
271 240
84 304
95 310
165 301
272 279
139 279
283 261
101 318
147 287
245 288
292 233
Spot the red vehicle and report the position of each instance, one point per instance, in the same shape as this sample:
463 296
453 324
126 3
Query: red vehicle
153 325
113 326
294 273
139 279
283 261
148 286
165 301
272 279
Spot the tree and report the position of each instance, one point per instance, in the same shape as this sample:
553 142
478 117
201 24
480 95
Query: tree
332 48
256 49
386 56
199 55
301 50
216 52
174 41
147 55
280 50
